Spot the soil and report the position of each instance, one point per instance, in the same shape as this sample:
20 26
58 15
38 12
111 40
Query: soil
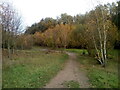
70 72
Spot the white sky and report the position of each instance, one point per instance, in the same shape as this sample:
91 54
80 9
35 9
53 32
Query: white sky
34 10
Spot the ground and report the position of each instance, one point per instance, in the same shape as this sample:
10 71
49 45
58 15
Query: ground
71 72
69 68
31 68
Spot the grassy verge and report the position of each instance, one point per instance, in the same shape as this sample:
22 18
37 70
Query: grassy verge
71 84
31 68
100 77
79 51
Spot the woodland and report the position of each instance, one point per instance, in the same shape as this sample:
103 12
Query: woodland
94 36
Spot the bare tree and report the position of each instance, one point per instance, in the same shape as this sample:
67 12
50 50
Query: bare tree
11 24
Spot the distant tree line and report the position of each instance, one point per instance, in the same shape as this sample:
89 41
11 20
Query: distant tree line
113 11
98 30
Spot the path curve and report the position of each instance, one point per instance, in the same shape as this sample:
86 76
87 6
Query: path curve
70 72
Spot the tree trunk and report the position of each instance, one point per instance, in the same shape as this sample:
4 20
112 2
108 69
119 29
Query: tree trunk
9 51
105 35
105 57
98 54
100 40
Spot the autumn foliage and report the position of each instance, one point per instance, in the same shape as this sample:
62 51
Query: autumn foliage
94 30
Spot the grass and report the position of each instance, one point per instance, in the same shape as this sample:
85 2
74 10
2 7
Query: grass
79 51
103 79
31 68
71 84
100 77
34 68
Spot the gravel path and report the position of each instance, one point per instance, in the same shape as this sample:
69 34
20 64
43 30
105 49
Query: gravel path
70 72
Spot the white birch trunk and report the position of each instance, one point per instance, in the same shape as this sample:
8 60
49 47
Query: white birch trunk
100 39
101 46
99 59
102 43
105 45
105 35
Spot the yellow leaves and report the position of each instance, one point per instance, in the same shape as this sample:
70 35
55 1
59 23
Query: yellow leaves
56 35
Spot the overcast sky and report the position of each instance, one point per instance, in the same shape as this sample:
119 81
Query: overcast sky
34 10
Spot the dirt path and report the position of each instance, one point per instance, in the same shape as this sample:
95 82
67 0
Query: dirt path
70 72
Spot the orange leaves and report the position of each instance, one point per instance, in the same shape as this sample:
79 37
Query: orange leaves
56 37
